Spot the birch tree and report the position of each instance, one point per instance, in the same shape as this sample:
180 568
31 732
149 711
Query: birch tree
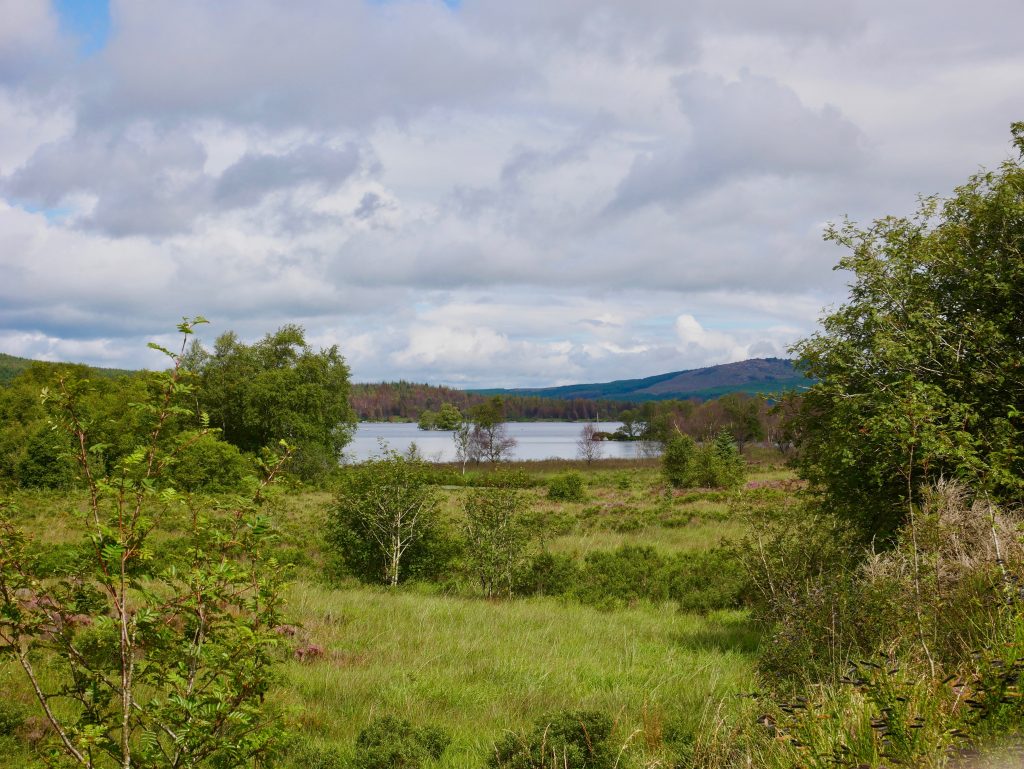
385 507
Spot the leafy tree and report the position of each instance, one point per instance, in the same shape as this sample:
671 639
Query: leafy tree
489 437
277 389
386 513
921 372
496 538
427 420
135 666
465 447
449 417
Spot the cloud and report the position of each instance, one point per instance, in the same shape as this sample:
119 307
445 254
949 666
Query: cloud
498 193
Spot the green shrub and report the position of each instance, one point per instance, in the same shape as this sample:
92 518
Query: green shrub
714 464
704 581
546 574
383 501
676 460
624 576
394 743
567 488
209 464
573 739
303 754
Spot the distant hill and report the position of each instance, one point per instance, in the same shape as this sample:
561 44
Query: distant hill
12 365
757 375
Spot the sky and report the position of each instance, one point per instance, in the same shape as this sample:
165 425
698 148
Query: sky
480 192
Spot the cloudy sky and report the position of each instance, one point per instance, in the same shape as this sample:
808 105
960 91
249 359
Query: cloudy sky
484 192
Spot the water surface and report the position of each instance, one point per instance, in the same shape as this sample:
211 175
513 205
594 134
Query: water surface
535 440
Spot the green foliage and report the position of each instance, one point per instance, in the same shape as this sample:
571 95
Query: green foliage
384 523
144 666
573 739
546 574
496 538
920 371
676 460
937 595
47 462
277 388
304 754
714 464
449 417
394 743
427 420
567 487
206 463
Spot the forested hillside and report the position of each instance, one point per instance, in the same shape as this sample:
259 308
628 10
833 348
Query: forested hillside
406 401
12 365
754 376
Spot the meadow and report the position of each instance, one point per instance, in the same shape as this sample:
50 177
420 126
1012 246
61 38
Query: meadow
438 653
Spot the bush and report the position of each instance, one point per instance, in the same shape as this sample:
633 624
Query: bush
305 755
567 488
546 574
209 464
394 743
940 593
624 576
708 580
496 538
380 503
714 464
572 739
676 460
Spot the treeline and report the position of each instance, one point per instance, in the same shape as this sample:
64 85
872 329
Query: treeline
406 401
234 404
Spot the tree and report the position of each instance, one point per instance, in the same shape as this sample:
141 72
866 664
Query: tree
921 372
496 538
277 388
385 512
449 417
589 445
677 458
427 420
465 447
490 439
135 665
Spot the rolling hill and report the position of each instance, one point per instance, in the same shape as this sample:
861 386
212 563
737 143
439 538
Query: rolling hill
757 375
12 365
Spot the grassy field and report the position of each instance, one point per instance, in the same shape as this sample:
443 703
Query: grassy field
440 654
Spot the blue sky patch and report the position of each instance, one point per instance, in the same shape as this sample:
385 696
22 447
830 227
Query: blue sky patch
87 20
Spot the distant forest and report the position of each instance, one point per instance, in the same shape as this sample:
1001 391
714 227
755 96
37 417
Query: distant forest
388 401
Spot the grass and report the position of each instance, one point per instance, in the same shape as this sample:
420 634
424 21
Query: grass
479 668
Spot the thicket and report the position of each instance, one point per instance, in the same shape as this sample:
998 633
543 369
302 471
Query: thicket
134 661
891 601
713 464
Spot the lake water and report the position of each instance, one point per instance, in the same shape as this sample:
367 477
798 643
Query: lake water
535 440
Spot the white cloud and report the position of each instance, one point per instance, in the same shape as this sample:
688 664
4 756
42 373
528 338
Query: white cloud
504 193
